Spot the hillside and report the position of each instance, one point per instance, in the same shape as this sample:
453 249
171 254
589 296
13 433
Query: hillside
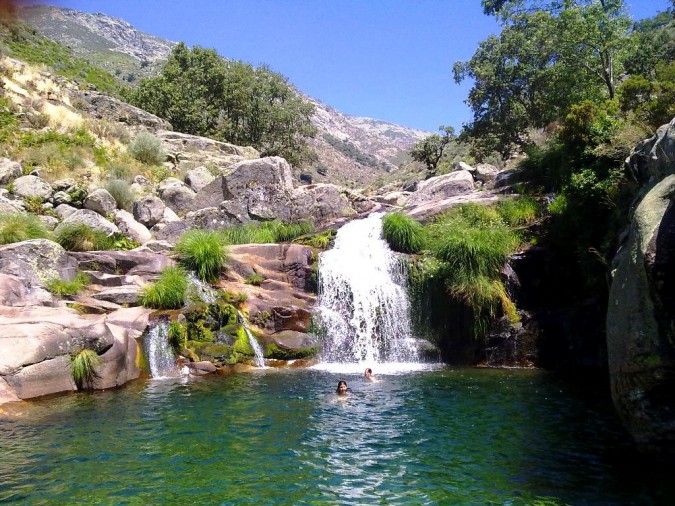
351 150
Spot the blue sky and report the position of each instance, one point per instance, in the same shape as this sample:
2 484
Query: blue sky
390 60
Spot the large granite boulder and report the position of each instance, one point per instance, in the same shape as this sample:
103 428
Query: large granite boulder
255 190
37 261
176 195
101 202
652 159
131 228
320 202
141 263
91 219
16 292
102 106
442 187
38 343
31 187
9 170
149 210
198 178
641 321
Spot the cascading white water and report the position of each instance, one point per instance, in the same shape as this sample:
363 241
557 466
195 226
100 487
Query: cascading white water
161 359
199 290
363 305
255 345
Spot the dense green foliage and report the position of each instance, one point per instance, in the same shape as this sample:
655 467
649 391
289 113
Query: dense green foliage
402 233
201 93
463 253
203 252
63 287
168 292
16 227
83 368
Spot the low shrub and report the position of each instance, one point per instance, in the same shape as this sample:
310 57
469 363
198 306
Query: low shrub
168 292
402 233
80 237
203 252
63 287
17 227
121 192
147 149
83 368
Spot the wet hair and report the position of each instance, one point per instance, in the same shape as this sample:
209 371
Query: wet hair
369 371
341 382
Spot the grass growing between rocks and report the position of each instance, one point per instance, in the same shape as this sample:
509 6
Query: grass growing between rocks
17 227
83 368
463 252
203 252
402 233
267 232
63 287
80 237
168 292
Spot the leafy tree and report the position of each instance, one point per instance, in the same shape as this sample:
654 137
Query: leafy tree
549 56
201 93
430 149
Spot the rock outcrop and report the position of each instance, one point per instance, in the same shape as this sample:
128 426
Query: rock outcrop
641 310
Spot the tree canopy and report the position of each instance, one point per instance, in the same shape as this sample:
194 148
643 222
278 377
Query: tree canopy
548 56
430 150
201 93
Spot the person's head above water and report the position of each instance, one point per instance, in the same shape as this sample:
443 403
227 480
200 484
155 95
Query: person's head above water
341 388
368 373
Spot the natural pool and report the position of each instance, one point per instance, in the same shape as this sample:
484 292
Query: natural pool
443 436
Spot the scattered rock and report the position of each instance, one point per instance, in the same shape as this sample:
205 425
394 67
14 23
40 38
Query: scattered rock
91 219
37 261
198 178
149 210
31 187
9 170
101 201
131 228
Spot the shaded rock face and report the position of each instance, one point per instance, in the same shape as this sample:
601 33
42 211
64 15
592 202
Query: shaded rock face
641 320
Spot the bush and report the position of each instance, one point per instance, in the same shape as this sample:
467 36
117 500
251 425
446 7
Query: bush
83 367
147 149
62 287
168 292
402 233
517 212
17 227
80 237
119 171
121 192
203 252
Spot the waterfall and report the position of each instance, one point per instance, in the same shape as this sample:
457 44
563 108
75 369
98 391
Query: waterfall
255 345
161 359
363 304
198 290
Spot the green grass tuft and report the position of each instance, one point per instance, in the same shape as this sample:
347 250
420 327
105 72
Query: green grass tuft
83 367
62 287
168 292
203 252
518 212
80 237
402 233
122 193
255 279
17 227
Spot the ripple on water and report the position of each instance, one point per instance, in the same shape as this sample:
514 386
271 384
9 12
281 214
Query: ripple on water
424 437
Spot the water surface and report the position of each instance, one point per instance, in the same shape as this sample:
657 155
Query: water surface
446 436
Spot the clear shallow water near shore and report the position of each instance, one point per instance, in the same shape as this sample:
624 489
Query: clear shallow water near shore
443 436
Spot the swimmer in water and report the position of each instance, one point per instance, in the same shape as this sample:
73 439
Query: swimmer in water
369 375
341 388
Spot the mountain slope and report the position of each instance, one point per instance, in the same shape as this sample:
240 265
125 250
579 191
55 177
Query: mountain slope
351 150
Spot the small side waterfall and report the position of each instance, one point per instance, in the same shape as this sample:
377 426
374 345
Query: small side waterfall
363 304
255 345
200 291
161 359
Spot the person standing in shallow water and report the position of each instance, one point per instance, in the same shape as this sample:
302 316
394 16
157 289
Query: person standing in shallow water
341 388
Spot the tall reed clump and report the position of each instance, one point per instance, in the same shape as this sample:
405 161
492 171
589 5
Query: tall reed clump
16 227
83 368
203 252
168 292
402 233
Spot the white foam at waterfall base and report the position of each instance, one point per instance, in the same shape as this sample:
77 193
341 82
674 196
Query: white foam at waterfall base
161 358
363 304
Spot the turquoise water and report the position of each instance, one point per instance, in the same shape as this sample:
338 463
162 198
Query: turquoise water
281 437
